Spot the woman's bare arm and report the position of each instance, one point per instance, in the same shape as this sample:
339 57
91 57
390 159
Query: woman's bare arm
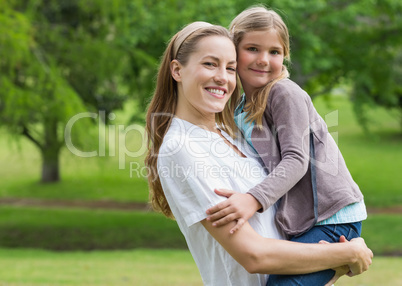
271 256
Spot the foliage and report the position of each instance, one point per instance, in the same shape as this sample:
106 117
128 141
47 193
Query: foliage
61 58
151 25
57 59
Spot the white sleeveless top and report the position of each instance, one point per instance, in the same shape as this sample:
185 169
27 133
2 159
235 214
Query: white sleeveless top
193 162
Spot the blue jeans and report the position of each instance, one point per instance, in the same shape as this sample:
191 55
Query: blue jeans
330 233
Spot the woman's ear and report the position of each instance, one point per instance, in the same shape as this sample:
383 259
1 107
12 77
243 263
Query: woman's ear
175 70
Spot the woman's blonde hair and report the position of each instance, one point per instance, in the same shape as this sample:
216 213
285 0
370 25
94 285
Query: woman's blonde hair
259 18
163 104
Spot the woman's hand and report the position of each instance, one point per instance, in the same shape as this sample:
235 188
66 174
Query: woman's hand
238 207
363 258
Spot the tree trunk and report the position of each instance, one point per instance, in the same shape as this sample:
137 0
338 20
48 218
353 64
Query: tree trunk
50 166
50 153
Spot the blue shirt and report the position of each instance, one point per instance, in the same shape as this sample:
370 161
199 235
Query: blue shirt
240 119
351 213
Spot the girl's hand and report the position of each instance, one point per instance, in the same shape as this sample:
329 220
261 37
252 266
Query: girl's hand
339 271
238 207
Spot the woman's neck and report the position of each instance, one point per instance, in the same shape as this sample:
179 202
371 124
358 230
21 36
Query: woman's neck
205 121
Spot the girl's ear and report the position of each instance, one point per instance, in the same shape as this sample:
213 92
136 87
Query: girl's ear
175 70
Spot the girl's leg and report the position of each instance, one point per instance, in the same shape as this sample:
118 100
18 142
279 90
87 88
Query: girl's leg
330 233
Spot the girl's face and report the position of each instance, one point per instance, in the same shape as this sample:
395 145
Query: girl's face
260 59
208 79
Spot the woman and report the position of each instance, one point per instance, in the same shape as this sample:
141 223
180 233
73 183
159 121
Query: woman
191 152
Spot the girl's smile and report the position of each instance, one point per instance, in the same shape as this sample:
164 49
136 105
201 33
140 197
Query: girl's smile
259 71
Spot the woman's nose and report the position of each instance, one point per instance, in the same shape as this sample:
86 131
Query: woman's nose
221 76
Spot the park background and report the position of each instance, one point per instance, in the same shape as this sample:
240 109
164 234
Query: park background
75 80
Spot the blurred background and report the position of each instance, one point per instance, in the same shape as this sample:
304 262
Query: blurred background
75 80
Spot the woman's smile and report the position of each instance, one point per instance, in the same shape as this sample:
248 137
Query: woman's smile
217 92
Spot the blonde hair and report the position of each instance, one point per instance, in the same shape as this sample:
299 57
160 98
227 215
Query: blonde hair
163 104
259 18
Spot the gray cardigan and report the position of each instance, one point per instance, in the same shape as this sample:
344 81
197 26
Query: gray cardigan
284 145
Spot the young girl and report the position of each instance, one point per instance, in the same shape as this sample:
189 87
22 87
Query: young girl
308 178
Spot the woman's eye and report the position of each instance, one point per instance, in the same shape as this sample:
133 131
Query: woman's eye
209 64
232 69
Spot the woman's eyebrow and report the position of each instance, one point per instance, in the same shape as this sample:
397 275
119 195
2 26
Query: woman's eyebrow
217 59
212 57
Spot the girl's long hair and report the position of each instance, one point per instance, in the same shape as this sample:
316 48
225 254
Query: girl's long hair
163 107
259 18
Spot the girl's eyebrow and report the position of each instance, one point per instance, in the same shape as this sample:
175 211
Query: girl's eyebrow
251 44
258 45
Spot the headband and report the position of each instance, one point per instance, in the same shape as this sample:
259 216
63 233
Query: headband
185 32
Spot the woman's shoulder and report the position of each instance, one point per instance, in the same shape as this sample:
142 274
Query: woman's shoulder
173 139
183 140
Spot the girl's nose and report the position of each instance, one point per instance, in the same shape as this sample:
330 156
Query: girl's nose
263 60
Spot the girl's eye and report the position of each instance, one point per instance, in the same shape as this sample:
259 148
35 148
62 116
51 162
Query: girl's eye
252 49
232 69
275 52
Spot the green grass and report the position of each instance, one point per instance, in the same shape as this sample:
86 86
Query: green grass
140 267
83 229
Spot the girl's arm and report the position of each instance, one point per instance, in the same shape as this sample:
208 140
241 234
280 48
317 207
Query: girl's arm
263 255
288 111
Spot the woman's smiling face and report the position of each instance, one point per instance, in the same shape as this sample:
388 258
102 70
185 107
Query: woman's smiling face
260 59
208 79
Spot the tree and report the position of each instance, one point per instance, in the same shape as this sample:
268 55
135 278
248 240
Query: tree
57 58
